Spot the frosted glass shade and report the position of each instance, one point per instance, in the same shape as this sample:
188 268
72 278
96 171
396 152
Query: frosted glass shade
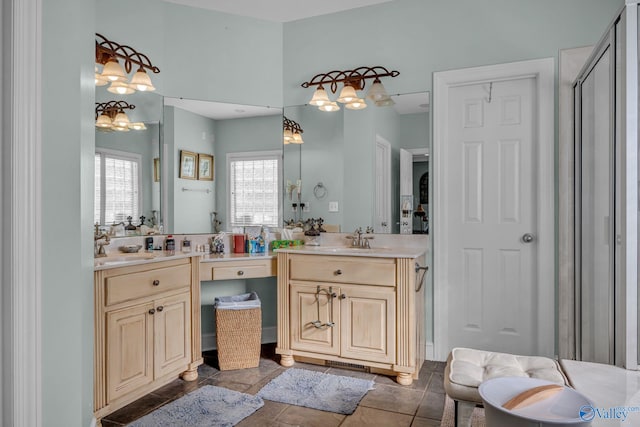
385 102
377 92
347 94
356 104
113 71
297 139
142 82
104 121
332 106
137 126
121 120
288 135
100 80
120 88
320 97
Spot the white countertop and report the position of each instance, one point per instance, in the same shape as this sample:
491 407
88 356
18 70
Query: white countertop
121 259
379 252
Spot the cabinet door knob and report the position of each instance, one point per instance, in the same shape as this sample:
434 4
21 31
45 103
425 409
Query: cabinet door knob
338 272
240 273
160 308
152 311
343 296
156 282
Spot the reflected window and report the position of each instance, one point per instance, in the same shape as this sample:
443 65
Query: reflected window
254 188
117 186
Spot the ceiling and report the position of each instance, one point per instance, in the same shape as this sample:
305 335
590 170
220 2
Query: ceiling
220 110
278 10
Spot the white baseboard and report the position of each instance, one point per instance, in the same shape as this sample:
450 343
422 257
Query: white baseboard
269 335
430 351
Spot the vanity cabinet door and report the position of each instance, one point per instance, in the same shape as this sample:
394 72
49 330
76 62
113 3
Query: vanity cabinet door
129 349
304 314
367 323
172 326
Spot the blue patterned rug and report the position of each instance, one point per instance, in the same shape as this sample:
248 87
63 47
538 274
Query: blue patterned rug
207 406
326 392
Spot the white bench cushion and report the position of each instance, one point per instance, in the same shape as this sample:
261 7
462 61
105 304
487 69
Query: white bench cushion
467 368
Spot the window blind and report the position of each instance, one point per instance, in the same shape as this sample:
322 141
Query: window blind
254 184
117 183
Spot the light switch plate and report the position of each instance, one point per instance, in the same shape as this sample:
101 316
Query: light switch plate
333 206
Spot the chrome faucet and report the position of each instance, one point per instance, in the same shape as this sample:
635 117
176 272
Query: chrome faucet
98 246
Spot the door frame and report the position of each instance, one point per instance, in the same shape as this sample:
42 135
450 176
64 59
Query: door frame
543 71
386 172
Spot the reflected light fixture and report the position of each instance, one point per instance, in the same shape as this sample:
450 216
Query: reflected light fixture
111 116
352 82
108 56
292 132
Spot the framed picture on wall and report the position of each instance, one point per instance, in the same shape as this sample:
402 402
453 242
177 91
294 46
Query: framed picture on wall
188 164
156 169
205 167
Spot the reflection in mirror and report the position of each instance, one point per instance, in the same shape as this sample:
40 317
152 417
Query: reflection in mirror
127 168
349 164
217 130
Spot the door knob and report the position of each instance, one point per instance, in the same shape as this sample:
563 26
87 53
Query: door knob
527 238
152 311
384 224
160 308
156 283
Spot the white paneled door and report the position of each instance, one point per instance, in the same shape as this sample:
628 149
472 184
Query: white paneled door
492 226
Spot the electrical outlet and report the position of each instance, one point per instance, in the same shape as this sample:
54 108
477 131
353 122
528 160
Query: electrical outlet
307 207
333 206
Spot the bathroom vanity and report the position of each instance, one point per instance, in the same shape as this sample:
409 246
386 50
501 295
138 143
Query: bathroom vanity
147 326
343 306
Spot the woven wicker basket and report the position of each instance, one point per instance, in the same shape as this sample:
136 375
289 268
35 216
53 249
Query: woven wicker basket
238 335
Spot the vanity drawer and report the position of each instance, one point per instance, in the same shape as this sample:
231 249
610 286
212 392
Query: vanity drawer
146 283
238 269
359 270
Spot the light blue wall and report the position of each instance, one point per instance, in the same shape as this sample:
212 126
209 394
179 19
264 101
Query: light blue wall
67 212
418 37
190 209
201 54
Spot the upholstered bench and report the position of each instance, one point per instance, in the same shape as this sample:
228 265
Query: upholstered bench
467 368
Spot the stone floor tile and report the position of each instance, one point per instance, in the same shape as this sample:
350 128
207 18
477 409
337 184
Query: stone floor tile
395 399
176 388
137 409
431 406
372 417
265 416
425 422
308 417
352 373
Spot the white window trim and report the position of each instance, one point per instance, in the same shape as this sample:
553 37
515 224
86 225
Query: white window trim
254 155
123 155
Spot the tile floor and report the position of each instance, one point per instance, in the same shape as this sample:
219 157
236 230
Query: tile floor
420 404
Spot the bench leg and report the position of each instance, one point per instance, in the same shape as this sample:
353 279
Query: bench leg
462 412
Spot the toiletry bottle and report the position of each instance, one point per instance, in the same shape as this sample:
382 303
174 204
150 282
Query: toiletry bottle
148 243
170 245
186 245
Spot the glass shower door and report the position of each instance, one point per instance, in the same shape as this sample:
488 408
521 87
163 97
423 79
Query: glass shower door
595 167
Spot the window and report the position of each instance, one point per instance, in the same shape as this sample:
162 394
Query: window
117 186
254 188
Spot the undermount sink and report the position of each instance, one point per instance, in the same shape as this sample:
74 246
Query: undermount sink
121 259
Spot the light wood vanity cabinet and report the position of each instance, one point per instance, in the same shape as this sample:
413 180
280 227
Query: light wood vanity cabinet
147 330
355 310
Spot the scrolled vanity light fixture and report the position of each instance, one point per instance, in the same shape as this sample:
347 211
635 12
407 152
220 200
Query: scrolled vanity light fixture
107 54
353 80
292 132
111 116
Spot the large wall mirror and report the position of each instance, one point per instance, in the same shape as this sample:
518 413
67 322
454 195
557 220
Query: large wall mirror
210 130
348 170
127 165
138 172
